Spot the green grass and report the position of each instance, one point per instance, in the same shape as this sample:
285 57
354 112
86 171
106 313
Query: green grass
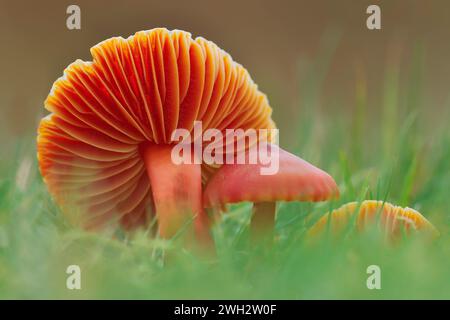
399 153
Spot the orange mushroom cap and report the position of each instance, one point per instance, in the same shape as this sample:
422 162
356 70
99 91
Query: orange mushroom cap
393 219
98 150
296 179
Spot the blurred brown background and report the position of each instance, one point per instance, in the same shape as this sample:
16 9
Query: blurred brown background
274 40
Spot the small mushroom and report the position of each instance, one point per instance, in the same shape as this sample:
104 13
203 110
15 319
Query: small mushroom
105 150
295 180
393 220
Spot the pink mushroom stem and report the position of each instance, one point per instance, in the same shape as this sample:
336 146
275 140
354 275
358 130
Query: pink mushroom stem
177 194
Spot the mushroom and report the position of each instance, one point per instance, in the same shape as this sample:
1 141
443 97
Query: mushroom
393 219
295 180
105 150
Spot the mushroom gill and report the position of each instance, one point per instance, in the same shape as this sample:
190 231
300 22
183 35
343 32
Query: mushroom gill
104 150
392 221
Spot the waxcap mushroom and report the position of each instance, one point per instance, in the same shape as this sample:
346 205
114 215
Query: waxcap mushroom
104 149
295 180
393 220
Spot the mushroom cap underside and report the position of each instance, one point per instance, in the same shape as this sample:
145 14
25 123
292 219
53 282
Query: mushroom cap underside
136 90
393 220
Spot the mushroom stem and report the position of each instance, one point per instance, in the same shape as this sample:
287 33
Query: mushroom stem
177 194
262 223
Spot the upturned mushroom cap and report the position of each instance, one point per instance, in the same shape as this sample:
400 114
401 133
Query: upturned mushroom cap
296 180
136 91
393 220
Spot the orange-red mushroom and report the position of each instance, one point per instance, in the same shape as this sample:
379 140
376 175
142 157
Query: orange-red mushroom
295 180
105 150
392 221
